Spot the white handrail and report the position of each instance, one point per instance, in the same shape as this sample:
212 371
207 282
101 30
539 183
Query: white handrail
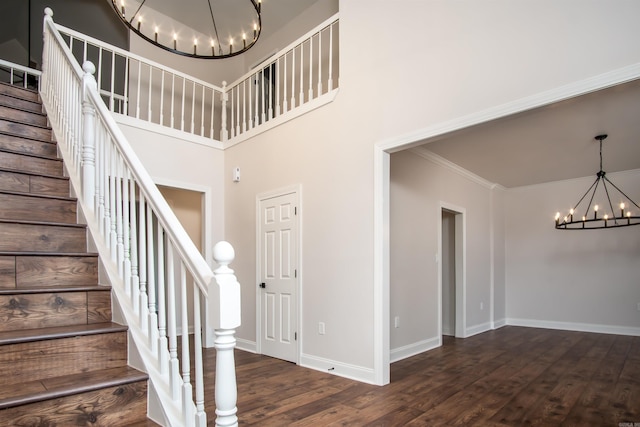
151 263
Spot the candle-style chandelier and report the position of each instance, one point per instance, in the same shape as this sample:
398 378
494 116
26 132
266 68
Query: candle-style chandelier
190 28
599 217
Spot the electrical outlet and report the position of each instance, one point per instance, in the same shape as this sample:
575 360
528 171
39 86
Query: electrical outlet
397 321
321 328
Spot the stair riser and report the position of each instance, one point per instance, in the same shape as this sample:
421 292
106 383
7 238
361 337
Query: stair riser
32 311
44 272
19 92
22 116
28 146
42 238
114 406
30 164
22 104
33 208
34 184
63 356
25 130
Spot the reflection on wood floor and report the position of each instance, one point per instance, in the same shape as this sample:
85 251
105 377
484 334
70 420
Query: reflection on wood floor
507 377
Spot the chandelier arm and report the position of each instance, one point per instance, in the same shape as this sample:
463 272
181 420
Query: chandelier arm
622 192
137 10
215 28
585 194
606 190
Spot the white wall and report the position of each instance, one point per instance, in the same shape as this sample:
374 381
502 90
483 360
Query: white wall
405 66
185 165
585 280
419 187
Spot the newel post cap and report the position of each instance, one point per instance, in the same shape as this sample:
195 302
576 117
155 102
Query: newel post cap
88 67
48 11
223 253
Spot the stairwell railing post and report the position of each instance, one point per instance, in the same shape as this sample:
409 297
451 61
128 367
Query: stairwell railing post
224 97
227 319
88 135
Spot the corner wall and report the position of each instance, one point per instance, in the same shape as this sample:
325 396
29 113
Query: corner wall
575 280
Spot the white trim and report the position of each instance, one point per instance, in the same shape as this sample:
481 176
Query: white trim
383 148
461 267
291 189
441 161
282 118
246 345
575 326
353 372
121 119
478 329
571 90
381 274
410 350
497 324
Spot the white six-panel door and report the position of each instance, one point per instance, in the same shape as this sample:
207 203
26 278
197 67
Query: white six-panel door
278 241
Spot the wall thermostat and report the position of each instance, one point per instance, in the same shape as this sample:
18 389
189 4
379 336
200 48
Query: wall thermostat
236 174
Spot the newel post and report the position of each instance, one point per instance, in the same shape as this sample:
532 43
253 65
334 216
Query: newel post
88 135
226 321
224 97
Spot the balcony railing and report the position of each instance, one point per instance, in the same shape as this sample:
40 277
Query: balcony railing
301 76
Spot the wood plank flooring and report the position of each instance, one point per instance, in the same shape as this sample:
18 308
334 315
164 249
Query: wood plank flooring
509 377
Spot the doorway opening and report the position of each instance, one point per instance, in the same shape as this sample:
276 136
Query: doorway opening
451 274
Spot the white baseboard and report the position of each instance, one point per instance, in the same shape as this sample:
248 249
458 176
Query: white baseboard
246 345
497 324
477 329
353 372
572 326
409 350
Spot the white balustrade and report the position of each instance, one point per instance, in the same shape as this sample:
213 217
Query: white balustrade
159 278
302 72
15 74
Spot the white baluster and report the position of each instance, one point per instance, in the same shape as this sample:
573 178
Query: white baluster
238 110
185 361
173 94
223 114
184 82
174 369
126 232
330 80
293 78
263 100
301 100
138 90
163 360
193 107
125 110
113 79
119 216
113 235
277 86
228 289
89 137
310 68
213 100
151 283
201 415
284 85
142 259
135 279
202 113
320 63
244 106
256 79
162 98
149 113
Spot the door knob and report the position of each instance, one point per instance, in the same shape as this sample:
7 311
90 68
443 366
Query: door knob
263 285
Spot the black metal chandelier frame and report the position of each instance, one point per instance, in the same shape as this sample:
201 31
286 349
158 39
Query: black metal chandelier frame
216 52
591 221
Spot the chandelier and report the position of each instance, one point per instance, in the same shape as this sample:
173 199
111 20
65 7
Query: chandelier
190 28
598 216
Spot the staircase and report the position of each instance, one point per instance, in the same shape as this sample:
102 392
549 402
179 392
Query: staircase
62 361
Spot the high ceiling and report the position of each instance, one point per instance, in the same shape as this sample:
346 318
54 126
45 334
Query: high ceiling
554 142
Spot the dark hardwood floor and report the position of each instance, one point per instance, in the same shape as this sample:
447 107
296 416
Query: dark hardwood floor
509 377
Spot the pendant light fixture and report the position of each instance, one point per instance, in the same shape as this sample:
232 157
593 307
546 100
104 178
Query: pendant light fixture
600 212
207 29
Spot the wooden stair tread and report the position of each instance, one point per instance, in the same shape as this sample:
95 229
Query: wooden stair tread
29 335
56 289
26 222
20 122
38 196
28 138
52 388
5 169
5 104
49 254
37 156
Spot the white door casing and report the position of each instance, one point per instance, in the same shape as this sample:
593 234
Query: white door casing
278 279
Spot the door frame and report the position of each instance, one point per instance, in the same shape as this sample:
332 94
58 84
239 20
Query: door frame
460 218
297 190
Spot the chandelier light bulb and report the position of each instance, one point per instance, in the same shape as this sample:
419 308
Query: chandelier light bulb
622 205
595 208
